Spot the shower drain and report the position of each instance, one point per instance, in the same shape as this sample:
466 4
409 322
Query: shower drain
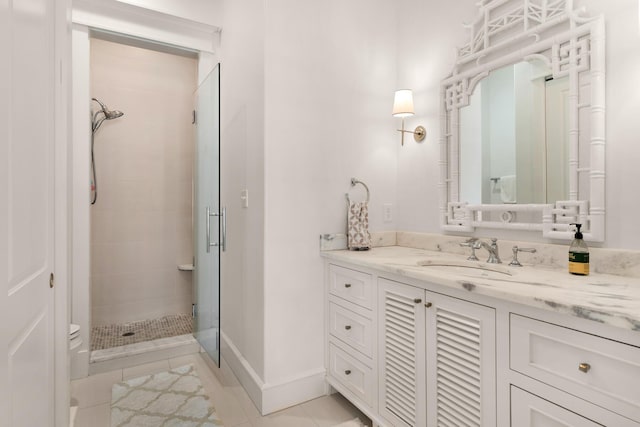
128 334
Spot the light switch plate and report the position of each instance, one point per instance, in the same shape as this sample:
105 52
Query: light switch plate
387 212
244 196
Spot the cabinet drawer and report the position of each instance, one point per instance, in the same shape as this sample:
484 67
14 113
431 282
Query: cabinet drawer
597 369
351 328
352 373
528 410
351 285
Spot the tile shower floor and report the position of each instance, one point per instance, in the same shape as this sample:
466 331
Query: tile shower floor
109 336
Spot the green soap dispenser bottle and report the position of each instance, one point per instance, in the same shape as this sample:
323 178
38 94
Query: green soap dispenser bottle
578 254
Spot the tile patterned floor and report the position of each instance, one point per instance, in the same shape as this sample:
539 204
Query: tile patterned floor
93 396
108 336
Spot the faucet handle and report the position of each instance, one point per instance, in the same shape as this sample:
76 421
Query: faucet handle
514 262
474 244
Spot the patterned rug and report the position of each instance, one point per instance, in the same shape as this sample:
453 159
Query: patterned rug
168 399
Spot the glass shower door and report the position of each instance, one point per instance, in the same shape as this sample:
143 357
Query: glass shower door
209 217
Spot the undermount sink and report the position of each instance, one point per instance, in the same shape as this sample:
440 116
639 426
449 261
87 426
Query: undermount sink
467 268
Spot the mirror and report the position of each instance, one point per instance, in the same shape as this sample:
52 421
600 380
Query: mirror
522 128
514 137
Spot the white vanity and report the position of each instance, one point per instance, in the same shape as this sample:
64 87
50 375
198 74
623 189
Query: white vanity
437 345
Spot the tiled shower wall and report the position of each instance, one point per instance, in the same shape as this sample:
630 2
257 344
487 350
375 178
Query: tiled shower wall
141 224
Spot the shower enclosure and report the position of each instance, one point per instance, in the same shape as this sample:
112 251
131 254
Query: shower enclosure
157 229
209 218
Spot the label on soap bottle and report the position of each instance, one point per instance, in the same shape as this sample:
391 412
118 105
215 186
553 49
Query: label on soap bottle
579 263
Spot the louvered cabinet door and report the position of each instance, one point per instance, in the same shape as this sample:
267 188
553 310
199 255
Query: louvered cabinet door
461 363
401 354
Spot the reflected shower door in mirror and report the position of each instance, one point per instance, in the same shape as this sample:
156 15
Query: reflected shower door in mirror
514 137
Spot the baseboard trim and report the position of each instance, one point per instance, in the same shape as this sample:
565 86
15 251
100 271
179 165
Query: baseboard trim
293 391
270 398
241 368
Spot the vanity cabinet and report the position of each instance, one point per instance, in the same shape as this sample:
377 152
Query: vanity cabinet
407 356
437 358
415 353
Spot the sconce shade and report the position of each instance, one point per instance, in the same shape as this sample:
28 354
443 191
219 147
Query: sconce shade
403 103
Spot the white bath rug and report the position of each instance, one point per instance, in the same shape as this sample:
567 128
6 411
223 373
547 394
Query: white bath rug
168 399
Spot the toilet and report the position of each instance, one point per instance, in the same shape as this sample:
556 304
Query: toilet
78 353
74 338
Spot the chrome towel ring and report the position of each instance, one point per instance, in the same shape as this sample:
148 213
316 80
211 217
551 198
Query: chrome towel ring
354 182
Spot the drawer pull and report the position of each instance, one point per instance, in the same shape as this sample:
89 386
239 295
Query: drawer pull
584 367
347 327
417 300
347 372
428 304
347 285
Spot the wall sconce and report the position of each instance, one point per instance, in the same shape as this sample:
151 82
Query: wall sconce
403 107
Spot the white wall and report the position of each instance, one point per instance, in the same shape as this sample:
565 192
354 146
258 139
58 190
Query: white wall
80 216
307 91
242 145
330 78
429 31
205 11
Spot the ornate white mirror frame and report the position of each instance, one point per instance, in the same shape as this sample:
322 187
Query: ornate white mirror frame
507 32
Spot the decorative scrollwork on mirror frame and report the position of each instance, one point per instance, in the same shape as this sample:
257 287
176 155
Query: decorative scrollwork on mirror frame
570 44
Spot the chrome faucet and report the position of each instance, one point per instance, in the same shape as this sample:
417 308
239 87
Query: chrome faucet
492 248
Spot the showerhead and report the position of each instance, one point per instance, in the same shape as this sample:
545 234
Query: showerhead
107 115
110 115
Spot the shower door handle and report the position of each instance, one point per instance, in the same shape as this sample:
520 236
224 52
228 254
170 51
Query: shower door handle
223 216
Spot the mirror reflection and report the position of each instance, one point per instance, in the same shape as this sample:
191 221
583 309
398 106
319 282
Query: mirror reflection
514 137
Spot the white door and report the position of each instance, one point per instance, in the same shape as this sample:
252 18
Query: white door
27 103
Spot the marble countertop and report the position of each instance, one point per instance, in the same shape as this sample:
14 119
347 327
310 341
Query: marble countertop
604 298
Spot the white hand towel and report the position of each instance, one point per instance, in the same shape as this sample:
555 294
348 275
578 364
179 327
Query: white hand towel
358 226
508 189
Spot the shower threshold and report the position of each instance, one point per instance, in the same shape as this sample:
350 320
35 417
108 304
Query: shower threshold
163 338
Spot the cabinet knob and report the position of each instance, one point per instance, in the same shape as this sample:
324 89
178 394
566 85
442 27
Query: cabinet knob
417 300
347 372
427 304
347 327
347 285
584 367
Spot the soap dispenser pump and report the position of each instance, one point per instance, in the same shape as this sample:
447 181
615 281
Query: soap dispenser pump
578 254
